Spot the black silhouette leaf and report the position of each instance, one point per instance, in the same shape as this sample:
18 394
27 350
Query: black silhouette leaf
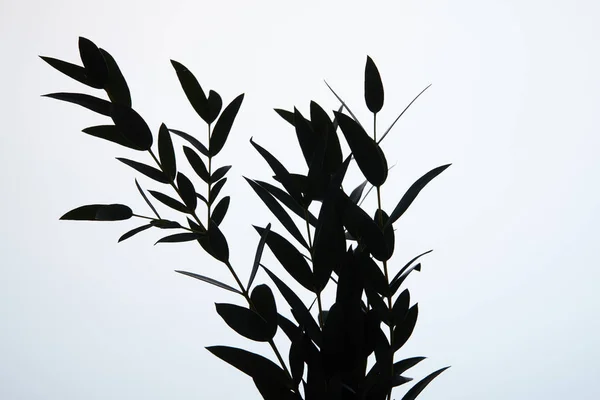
147 170
215 243
373 276
402 366
258 255
196 227
389 237
373 87
401 306
165 224
298 307
283 176
132 126
95 104
404 329
344 105
192 140
179 237
169 201
99 212
401 114
197 164
368 155
211 281
290 258
187 191
356 194
254 365
220 210
403 270
245 322
307 138
395 285
110 133
323 126
146 199
288 201
287 115
223 126
93 62
71 70
413 191
264 304
422 384
362 227
166 152
193 90
198 195
290 329
214 106
215 190
219 173
296 358
134 231
278 211
115 86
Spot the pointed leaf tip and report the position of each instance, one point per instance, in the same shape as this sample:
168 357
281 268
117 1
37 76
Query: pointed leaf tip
373 87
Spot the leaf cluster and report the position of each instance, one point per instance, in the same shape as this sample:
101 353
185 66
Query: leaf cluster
342 244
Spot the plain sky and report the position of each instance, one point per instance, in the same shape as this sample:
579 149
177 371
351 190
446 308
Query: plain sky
509 297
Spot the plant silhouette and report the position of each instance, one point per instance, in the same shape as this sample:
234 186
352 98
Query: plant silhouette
342 245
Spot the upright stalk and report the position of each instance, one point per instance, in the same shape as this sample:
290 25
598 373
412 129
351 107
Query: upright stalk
209 181
310 246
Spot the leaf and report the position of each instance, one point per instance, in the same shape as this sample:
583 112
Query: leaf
401 306
278 211
198 195
215 243
223 126
166 153
287 115
196 227
99 212
401 114
403 365
192 140
408 264
290 329
131 125
147 170
196 163
264 304
368 155
95 104
373 87
283 176
412 193
389 237
344 105
288 201
373 277
179 237
134 231
146 199
214 106
215 190
169 201
193 90
165 224
245 322
356 194
110 133
71 70
395 285
403 330
219 173
187 192
323 126
422 384
290 258
306 136
211 281
362 227
312 329
258 255
115 86
93 62
251 364
296 358
220 210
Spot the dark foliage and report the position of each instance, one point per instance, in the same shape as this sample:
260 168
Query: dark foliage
330 348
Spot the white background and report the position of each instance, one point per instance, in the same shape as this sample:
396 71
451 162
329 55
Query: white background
509 295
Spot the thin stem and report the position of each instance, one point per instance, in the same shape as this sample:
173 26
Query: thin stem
209 180
141 216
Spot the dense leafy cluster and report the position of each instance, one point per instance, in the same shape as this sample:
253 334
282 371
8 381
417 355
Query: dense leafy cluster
343 245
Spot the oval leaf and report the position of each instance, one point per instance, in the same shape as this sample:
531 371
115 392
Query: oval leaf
115 86
223 126
131 125
215 190
214 106
93 62
264 303
404 329
99 212
187 192
373 87
197 164
166 152
71 70
422 384
245 322
110 133
134 232
193 90
169 201
147 170
220 210
192 140
179 237
90 102
219 173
